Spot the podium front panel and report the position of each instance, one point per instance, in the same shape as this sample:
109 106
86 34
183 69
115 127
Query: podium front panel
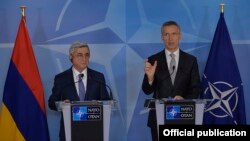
86 122
66 110
160 113
179 112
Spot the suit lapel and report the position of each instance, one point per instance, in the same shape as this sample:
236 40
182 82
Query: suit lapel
163 68
90 84
71 78
181 64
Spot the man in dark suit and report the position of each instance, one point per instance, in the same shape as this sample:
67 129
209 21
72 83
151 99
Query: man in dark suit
171 73
78 82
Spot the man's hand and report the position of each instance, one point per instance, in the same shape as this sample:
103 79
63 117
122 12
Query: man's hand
67 101
150 70
178 97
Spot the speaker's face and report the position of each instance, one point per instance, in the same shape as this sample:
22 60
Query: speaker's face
80 58
171 36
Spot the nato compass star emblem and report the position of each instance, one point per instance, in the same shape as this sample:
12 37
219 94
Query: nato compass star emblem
173 112
224 99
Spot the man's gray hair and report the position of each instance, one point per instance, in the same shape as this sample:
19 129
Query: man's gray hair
77 45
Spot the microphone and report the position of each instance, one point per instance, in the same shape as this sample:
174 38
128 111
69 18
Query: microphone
69 84
172 71
53 100
166 77
104 84
81 77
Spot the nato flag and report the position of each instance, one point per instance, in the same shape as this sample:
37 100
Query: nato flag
221 81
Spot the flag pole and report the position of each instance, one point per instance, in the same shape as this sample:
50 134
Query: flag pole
222 7
23 10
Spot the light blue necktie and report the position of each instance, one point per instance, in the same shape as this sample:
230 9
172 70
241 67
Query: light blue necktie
81 87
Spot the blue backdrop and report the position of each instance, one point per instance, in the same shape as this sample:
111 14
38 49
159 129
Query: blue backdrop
121 34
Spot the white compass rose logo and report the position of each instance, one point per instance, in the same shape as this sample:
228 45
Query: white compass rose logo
173 112
224 99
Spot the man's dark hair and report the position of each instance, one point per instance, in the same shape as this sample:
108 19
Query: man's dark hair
168 23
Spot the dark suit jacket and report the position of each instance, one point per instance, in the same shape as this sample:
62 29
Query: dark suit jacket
64 88
187 81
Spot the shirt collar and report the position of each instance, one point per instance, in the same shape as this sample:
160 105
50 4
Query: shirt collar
76 73
176 53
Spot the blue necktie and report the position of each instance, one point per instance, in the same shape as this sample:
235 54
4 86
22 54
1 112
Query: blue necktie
81 87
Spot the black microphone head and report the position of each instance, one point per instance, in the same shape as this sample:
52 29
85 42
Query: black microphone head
173 68
82 75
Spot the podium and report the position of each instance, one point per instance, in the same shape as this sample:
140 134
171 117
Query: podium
86 120
185 111
199 104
